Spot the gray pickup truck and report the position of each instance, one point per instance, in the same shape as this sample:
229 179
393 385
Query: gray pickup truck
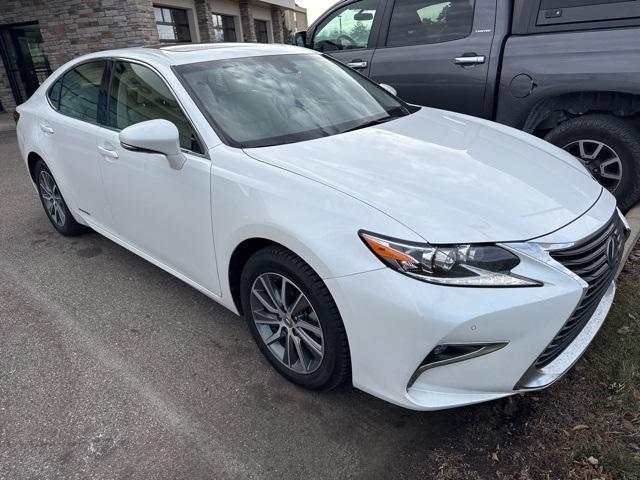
564 70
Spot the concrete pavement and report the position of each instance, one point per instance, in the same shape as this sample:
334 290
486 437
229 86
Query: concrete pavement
112 368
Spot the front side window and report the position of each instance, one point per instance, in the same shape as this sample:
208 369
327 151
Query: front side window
347 29
224 28
419 22
139 94
172 24
80 91
273 100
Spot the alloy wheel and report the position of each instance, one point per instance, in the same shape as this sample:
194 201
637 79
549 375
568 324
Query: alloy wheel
52 198
600 159
287 323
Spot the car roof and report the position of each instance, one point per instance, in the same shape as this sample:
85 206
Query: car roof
198 52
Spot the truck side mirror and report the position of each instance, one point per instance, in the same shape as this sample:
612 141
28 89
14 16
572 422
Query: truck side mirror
300 39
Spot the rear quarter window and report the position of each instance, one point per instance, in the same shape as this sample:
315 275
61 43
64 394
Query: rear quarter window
54 94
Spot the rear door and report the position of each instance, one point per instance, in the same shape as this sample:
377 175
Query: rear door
436 52
68 129
349 33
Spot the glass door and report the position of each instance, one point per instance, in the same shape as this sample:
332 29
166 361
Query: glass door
24 58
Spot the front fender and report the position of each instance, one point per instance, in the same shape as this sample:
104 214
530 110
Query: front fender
252 199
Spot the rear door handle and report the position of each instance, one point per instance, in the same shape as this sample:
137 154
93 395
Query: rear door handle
470 60
46 128
358 64
108 153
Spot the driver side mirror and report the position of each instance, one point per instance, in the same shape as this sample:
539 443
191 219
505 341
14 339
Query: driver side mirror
155 136
300 39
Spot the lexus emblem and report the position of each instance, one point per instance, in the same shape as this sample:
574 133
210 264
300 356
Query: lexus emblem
611 251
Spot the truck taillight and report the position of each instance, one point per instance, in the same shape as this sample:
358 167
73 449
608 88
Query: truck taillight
16 116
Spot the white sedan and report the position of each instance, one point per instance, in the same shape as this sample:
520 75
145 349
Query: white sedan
430 258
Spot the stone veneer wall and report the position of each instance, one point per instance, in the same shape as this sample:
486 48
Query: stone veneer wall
75 27
277 23
246 17
205 20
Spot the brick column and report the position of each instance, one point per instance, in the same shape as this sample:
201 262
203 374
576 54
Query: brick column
277 22
248 26
205 20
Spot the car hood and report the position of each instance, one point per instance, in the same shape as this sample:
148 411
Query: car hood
448 177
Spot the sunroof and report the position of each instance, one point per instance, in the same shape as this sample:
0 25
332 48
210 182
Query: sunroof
195 47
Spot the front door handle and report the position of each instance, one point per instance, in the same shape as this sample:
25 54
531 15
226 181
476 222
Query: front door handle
46 129
358 64
470 60
108 153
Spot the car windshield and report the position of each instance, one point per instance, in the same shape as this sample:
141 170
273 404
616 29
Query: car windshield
273 100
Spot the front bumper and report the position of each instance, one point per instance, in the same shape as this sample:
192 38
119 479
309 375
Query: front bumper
394 321
540 378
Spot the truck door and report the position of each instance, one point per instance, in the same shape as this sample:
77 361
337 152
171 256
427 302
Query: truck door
349 32
436 52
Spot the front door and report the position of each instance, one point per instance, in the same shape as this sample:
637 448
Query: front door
25 61
349 33
436 53
164 213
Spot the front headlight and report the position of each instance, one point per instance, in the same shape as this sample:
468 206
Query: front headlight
455 265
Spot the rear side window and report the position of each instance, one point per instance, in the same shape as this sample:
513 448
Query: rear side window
419 22
80 91
139 94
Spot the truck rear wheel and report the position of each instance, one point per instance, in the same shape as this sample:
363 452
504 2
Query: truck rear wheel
610 148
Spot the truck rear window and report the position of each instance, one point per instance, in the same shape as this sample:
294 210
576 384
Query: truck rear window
539 16
555 12
548 4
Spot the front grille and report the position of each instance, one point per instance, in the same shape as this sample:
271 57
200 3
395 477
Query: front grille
596 260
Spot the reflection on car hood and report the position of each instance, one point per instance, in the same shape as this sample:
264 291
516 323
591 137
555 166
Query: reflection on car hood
449 177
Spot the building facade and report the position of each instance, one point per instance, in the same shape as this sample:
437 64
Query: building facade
37 37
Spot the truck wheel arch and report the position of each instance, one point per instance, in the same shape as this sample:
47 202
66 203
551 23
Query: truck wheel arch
551 112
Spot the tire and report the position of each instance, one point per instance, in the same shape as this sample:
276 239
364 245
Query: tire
271 265
618 136
57 212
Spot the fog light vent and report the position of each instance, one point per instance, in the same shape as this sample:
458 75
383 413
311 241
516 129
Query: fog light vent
447 354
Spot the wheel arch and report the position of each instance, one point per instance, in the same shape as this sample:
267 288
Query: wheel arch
239 257
32 160
549 113
249 245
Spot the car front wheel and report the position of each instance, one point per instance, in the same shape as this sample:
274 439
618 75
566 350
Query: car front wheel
294 319
609 147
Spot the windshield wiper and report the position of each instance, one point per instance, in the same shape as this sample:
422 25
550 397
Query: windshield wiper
373 123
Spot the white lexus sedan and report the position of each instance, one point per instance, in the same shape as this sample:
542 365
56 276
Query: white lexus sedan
430 258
